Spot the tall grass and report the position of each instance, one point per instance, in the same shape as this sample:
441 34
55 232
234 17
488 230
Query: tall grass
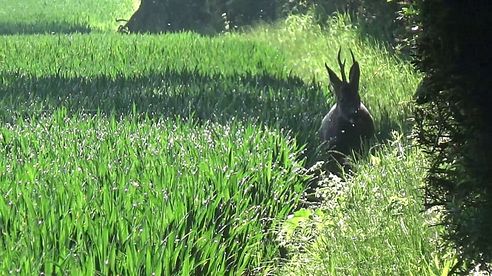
115 55
371 222
386 81
92 194
146 154
164 76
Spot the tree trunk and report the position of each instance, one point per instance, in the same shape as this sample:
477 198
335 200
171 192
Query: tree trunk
157 16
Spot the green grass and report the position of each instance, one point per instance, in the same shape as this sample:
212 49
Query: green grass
61 16
131 56
220 79
386 81
142 154
92 194
99 146
370 224
184 154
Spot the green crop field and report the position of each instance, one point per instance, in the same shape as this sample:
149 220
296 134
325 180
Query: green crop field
184 154
62 16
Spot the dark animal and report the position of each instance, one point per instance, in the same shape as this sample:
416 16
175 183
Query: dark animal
349 121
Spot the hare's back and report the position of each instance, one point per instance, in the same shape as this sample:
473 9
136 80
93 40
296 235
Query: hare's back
365 122
329 124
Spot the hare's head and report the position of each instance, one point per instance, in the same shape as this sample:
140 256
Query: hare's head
346 91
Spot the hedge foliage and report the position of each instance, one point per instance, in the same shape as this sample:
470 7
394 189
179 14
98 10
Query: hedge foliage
453 120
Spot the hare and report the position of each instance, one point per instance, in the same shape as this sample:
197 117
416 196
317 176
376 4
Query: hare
348 121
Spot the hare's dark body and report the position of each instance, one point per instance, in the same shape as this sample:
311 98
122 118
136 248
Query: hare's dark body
344 134
349 121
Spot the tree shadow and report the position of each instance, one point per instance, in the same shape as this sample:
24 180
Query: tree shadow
60 27
285 103
281 102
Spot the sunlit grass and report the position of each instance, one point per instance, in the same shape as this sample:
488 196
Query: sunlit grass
144 154
115 55
62 16
386 81
372 223
92 194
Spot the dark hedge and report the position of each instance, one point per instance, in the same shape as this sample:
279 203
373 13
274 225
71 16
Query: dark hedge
453 121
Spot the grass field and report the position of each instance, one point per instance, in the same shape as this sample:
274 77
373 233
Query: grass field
183 154
62 16
91 194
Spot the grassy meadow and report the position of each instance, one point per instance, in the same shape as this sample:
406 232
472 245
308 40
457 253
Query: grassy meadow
62 16
181 154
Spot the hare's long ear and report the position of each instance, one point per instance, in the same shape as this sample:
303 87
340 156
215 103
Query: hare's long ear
335 82
354 74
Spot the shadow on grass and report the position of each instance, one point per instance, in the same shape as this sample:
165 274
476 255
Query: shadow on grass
385 125
13 28
285 103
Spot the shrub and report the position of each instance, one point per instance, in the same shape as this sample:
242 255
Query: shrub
452 121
